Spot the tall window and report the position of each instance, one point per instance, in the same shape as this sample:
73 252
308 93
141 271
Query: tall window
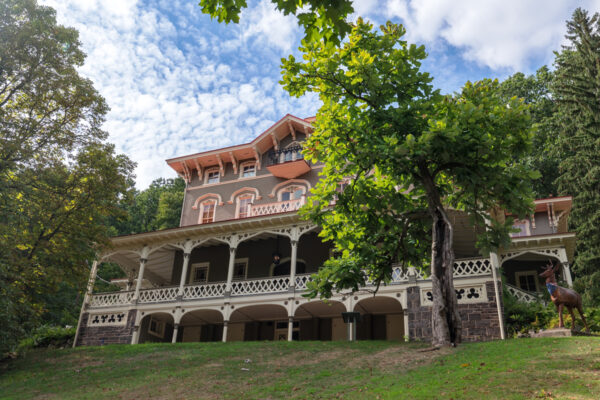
527 280
240 268
199 273
244 203
522 226
291 193
292 152
207 211
248 169
213 176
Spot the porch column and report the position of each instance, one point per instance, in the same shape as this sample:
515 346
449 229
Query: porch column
136 334
184 269
225 323
175 332
87 297
290 328
562 255
140 277
230 271
496 265
293 259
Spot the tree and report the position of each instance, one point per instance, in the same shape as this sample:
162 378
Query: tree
545 157
59 181
576 89
320 19
410 156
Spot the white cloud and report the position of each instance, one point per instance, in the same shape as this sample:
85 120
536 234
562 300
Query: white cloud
494 33
178 83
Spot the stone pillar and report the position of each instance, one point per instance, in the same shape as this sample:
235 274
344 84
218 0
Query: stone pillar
175 332
406 336
293 261
136 334
290 329
230 271
225 323
495 266
184 269
87 297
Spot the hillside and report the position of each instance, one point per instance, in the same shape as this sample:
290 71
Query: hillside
566 368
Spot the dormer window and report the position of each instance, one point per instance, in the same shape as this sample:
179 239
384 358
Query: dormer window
248 169
292 152
213 176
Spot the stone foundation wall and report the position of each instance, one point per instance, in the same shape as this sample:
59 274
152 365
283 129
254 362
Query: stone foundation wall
479 320
101 335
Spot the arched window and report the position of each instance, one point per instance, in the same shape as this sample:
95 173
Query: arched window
207 211
244 203
292 192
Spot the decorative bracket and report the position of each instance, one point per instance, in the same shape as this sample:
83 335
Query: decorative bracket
234 162
292 131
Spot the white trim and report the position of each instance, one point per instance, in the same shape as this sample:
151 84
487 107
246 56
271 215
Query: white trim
193 269
533 273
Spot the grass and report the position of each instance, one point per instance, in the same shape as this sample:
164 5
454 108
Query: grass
548 368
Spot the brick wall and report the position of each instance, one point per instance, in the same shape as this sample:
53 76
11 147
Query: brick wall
479 320
101 335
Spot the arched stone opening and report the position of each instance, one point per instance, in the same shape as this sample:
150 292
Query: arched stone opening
382 319
201 326
522 271
156 327
320 320
258 322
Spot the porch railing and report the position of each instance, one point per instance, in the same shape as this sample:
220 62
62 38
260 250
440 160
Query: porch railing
260 286
522 295
280 284
111 299
276 208
206 290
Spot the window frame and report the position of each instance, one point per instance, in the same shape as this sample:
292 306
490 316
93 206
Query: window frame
245 164
207 175
533 273
522 233
243 196
160 333
286 188
194 267
295 156
238 261
214 202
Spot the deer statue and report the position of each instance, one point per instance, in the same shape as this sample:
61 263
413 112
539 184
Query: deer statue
562 297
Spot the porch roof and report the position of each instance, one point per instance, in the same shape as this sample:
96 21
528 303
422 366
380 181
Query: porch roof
565 239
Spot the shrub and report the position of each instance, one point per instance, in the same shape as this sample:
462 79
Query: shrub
47 336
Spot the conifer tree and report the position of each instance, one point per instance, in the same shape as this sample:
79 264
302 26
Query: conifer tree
576 89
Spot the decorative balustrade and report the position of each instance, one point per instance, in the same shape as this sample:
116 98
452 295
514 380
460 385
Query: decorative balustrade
111 299
276 208
472 267
302 280
207 290
522 295
158 295
260 286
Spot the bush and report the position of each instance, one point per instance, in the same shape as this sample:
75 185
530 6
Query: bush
47 336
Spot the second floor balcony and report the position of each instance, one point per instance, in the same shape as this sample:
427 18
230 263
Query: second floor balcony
288 163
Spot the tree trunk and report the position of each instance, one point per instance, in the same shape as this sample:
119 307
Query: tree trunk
445 320
446 325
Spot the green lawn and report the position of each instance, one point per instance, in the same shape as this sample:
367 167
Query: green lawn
565 368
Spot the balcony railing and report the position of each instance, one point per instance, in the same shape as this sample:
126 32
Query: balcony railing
288 154
276 208
272 285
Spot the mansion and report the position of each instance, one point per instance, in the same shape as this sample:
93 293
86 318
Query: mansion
238 266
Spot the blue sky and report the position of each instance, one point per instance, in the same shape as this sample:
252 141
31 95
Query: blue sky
178 83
